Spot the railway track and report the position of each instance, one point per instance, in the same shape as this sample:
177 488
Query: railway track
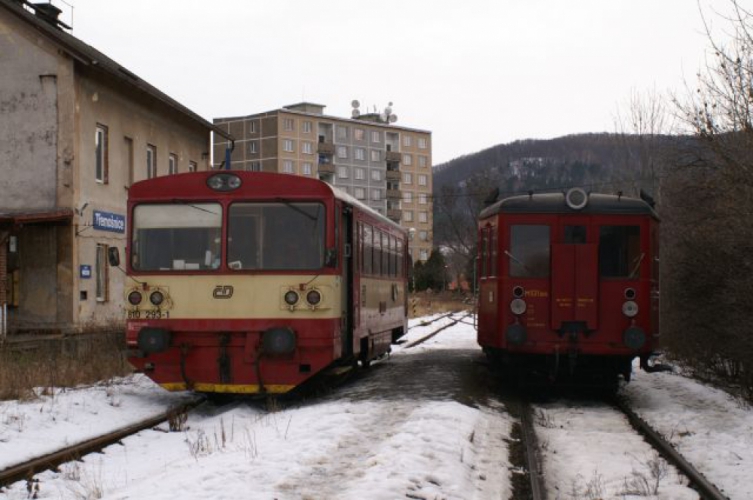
28 469
535 489
426 337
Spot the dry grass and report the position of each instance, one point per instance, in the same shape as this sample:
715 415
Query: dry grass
64 362
425 303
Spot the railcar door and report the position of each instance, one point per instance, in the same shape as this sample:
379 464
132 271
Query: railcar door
575 279
347 252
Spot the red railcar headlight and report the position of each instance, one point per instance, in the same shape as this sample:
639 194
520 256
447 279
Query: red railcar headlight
518 306
313 297
135 298
291 297
630 309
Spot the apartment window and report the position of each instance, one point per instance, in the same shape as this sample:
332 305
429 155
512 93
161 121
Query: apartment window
252 147
192 166
306 168
407 178
101 269
288 124
423 180
360 154
407 197
101 148
287 166
359 174
421 143
407 216
423 235
422 198
287 145
359 134
342 172
407 141
376 194
172 164
151 161
256 166
251 127
423 216
407 160
307 127
308 147
423 161
342 132
376 175
424 254
342 151
360 193
376 155
376 137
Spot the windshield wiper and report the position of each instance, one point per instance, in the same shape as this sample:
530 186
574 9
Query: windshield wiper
519 261
182 202
297 208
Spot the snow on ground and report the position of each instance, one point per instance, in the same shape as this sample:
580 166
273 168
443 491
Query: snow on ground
338 447
710 428
378 439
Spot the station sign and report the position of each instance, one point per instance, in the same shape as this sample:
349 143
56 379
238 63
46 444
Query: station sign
106 221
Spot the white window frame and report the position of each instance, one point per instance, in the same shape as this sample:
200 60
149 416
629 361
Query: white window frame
342 132
307 147
287 167
376 194
423 161
423 180
360 154
342 151
407 160
376 155
101 151
342 172
359 134
252 127
376 175
407 141
172 164
192 166
101 273
422 199
151 161
307 168
407 197
252 147
306 127
407 178
359 174
423 216
376 137
422 143
288 124
407 215
288 146
359 193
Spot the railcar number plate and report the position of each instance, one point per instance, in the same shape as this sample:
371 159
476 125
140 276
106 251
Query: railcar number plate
148 314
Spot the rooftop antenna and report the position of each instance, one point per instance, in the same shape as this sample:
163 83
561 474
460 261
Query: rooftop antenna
387 116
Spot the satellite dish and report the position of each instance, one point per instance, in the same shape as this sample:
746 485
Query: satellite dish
355 103
384 116
388 110
355 113
393 118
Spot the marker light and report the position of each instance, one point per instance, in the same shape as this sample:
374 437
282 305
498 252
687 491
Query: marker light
630 309
313 297
224 182
518 306
156 298
291 298
134 298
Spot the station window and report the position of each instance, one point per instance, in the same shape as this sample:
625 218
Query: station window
529 251
101 266
151 161
102 154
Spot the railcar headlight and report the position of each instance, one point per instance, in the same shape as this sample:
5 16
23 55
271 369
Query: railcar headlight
314 297
157 298
224 182
135 298
291 297
518 306
630 309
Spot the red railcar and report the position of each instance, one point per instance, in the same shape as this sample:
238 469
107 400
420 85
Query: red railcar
569 283
247 282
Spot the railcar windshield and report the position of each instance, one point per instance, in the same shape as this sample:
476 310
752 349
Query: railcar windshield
529 251
276 236
176 237
620 253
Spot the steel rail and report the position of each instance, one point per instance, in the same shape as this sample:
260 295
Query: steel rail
31 467
427 323
430 335
707 490
531 447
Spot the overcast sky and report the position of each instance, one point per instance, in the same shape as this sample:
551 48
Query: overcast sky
474 72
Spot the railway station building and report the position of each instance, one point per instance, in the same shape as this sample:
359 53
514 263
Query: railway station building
385 166
76 130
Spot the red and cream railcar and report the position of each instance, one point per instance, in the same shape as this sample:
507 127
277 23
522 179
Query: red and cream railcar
569 283
247 282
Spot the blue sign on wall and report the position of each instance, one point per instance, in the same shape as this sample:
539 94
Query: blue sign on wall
106 221
85 271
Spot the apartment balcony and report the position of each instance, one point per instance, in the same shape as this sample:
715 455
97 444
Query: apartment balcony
393 194
393 156
392 175
325 148
395 214
326 168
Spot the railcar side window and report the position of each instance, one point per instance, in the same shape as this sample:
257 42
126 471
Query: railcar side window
620 251
274 236
529 251
179 237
